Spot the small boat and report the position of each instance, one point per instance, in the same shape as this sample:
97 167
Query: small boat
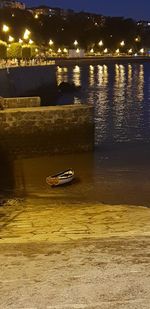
60 178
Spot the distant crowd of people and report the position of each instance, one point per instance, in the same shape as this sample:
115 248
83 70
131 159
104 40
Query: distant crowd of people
24 62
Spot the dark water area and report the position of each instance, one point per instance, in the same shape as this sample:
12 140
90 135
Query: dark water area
118 171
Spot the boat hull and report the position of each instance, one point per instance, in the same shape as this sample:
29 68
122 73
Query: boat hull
61 178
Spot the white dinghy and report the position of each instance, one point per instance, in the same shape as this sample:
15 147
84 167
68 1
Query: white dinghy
60 178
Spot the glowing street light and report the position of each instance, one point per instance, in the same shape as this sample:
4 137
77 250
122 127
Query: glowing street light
20 41
142 50
130 51
77 50
91 50
106 50
36 16
122 43
75 43
101 43
65 50
26 34
30 41
137 39
59 50
117 51
5 28
51 42
10 39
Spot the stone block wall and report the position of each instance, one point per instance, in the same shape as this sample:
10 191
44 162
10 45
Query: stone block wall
39 130
21 102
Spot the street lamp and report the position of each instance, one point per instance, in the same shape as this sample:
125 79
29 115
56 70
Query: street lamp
26 34
10 39
142 50
101 43
5 28
105 50
75 43
130 51
137 39
122 43
30 41
51 42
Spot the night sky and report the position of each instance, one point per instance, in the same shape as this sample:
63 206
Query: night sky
137 9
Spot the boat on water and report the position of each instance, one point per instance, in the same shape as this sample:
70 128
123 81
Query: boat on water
60 178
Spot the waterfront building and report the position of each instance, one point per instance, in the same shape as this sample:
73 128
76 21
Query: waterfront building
76 53
143 23
48 11
97 19
12 4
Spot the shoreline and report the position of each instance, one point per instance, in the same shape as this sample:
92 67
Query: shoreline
63 222
52 61
101 59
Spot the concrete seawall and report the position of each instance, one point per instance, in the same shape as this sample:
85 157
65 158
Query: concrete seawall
20 102
55 129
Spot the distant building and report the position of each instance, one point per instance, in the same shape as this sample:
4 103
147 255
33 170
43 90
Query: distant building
143 23
97 19
47 11
42 10
76 53
12 4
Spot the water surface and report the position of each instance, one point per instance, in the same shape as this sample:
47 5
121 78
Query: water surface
120 94
118 171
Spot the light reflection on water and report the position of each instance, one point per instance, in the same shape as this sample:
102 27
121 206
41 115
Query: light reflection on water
62 75
120 94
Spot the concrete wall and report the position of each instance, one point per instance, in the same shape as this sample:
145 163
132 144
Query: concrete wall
39 130
20 102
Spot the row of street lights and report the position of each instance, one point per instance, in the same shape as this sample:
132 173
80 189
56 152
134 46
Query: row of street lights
27 34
